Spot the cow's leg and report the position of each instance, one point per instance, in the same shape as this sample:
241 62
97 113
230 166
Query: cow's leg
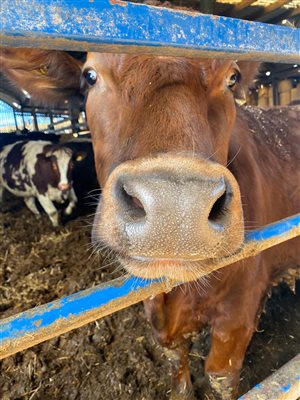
171 334
30 203
50 209
231 332
1 193
225 360
72 202
181 385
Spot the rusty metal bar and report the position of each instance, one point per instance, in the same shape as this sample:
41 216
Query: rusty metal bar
34 326
284 384
116 26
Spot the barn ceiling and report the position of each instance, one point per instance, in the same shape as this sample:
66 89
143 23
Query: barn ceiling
270 11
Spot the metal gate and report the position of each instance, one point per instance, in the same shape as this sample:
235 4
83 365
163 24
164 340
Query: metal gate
114 26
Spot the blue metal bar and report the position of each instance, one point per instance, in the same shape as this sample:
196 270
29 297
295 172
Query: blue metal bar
115 26
284 384
273 230
47 321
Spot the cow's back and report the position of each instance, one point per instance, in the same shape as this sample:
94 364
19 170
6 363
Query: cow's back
17 166
267 167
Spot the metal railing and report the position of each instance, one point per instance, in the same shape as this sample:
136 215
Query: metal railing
45 322
116 26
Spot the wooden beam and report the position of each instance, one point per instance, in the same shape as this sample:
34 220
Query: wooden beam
207 6
274 6
273 9
289 13
241 5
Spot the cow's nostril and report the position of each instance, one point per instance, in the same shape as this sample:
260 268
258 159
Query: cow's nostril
219 209
133 203
137 203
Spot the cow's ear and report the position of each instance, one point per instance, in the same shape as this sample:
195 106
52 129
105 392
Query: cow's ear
79 156
51 78
249 70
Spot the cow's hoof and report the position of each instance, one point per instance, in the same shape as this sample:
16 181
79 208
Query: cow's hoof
55 224
68 211
182 396
220 388
187 394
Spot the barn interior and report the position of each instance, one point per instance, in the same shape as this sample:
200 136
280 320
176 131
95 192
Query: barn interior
117 357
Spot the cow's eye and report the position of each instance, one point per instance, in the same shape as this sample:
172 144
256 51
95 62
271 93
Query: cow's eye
233 79
90 76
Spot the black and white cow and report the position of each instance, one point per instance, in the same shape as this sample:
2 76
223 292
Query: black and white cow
38 170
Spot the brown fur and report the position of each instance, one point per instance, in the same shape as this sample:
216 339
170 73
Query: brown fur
142 107
50 77
176 105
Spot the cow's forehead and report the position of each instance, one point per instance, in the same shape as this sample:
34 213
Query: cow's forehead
58 152
119 64
63 152
140 76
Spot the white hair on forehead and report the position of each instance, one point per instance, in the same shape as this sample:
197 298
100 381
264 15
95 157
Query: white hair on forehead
63 156
63 150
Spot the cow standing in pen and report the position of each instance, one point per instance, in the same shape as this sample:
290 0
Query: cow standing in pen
184 172
38 170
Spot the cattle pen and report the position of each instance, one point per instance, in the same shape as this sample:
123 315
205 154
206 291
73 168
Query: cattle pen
116 26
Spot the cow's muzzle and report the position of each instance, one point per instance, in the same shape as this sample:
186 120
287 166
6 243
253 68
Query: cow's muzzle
64 187
170 210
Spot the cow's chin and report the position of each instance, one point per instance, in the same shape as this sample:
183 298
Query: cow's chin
175 270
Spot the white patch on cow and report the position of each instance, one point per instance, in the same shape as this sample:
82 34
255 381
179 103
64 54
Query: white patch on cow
63 159
30 151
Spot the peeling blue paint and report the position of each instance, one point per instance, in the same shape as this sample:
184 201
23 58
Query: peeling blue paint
257 387
100 25
71 306
286 388
282 384
277 229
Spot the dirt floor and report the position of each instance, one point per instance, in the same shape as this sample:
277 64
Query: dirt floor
115 357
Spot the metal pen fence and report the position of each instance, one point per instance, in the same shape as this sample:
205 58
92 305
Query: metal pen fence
108 26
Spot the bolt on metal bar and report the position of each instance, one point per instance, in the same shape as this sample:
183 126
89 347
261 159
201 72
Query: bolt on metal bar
121 27
34 326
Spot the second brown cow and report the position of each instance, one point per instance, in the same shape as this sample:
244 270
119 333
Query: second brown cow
185 172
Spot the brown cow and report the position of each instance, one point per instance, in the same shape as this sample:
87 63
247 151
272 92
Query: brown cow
184 173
